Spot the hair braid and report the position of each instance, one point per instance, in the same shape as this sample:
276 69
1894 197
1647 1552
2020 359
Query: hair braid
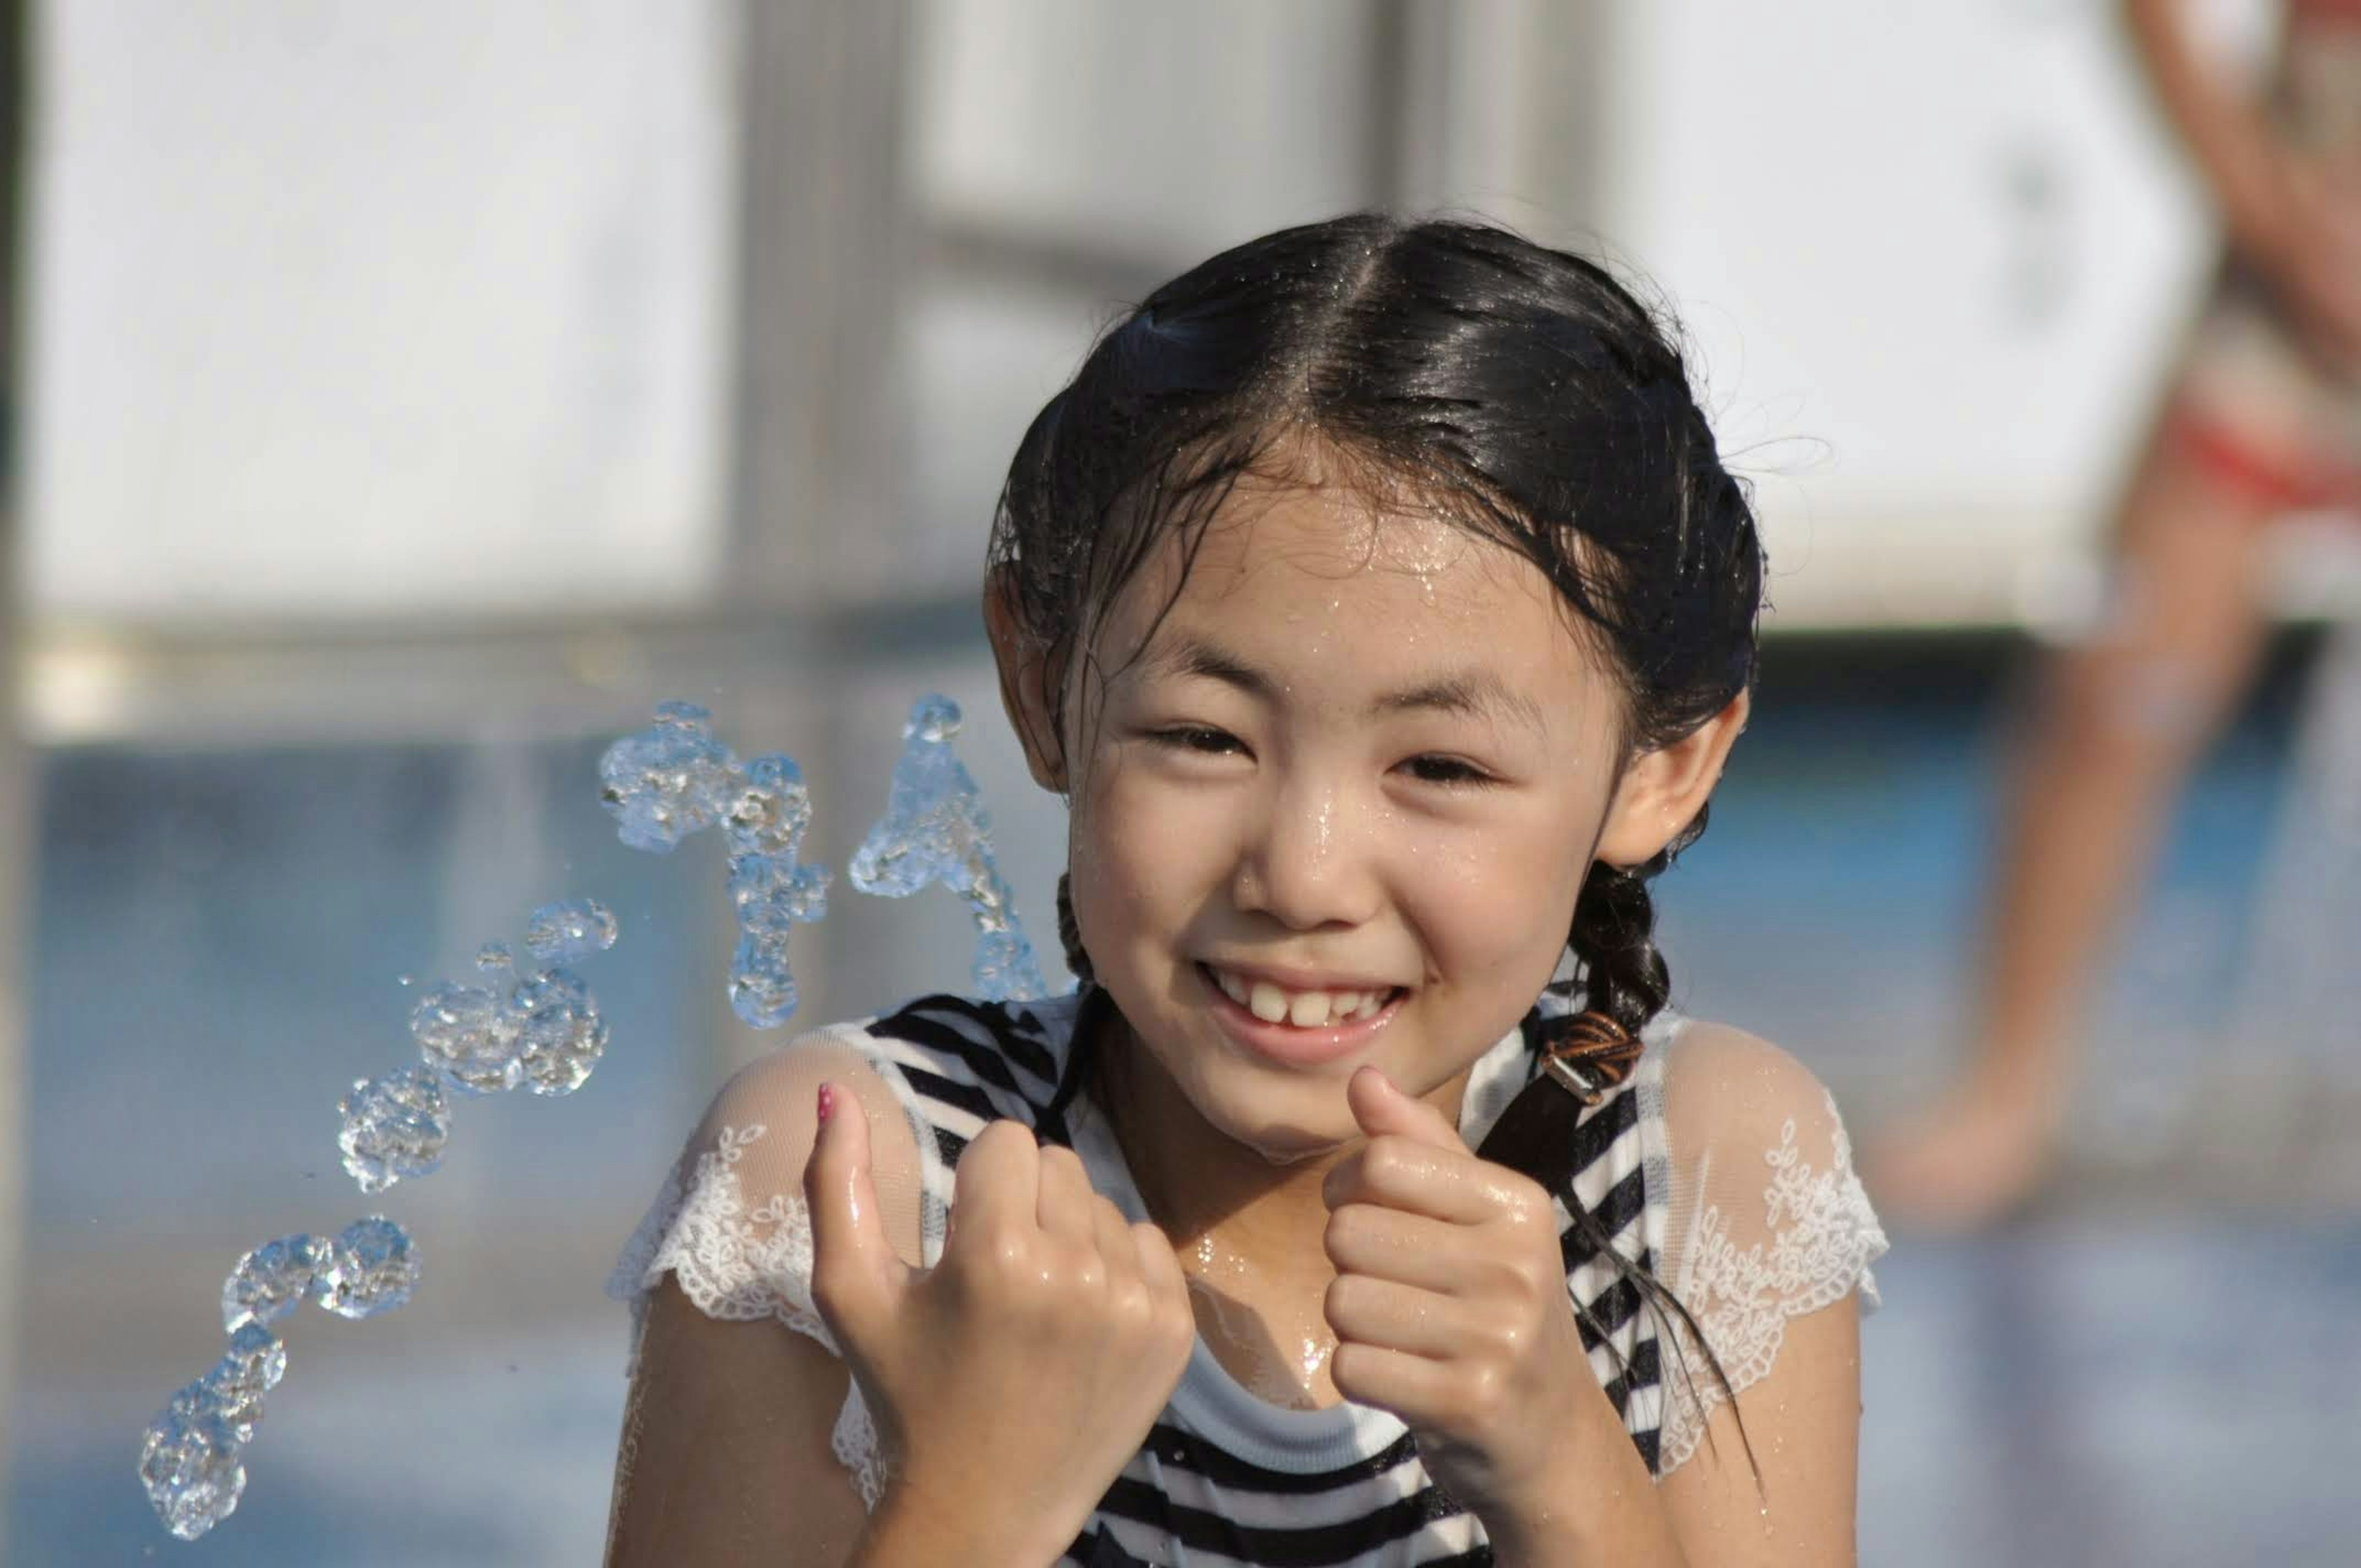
1623 975
1070 933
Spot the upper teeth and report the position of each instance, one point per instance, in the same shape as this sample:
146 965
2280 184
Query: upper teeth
1304 1008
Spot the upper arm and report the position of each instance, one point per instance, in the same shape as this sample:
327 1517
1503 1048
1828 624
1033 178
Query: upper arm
1768 1243
727 1452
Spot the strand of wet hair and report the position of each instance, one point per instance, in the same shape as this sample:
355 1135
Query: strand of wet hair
1624 977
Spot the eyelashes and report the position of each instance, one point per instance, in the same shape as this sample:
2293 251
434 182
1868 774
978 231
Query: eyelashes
1449 771
1438 769
1202 739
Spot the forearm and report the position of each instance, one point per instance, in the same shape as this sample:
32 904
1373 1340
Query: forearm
905 1532
1603 1510
2225 130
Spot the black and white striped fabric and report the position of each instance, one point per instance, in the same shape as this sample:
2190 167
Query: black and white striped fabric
1226 1477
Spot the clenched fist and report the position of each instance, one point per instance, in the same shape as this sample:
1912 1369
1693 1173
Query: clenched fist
1012 1382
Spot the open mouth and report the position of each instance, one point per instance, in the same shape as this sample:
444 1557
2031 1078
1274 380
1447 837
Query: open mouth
1274 1003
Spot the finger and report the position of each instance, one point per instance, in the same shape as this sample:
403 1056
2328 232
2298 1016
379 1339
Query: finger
996 1188
1063 1199
1157 1263
1394 1172
1390 1244
1422 1391
1390 1316
1111 1234
854 1269
1380 1108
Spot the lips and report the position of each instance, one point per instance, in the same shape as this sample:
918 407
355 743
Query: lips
1261 1014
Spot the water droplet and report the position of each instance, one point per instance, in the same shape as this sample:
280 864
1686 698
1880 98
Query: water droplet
570 930
374 1269
936 829
270 1281
561 1036
464 1033
190 1465
393 1126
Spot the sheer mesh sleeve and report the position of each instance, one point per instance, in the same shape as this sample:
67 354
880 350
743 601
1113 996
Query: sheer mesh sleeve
731 1225
1766 1219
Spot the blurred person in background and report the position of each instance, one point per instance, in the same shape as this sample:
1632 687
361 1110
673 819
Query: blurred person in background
2261 421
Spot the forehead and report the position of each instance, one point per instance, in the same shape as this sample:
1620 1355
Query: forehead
1375 588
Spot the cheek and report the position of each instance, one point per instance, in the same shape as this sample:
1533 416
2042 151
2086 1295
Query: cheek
1502 898
1138 853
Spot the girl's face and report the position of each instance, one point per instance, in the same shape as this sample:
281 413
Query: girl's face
1335 806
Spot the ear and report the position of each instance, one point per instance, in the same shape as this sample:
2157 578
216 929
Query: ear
1662 791
1027 682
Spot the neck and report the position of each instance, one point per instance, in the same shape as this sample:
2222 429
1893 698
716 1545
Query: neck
1201 1186
1249 1232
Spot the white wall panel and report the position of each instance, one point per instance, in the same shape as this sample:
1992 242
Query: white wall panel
342 307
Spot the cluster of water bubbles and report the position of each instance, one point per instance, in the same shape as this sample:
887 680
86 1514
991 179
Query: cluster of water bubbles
674 778
541 1030
193 1459
936 829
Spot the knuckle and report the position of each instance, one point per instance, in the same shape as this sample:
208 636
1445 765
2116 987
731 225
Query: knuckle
1387 1158
1005 1260
1350 1227
1482 1393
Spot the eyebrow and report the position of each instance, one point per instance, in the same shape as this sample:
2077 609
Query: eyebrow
1475 692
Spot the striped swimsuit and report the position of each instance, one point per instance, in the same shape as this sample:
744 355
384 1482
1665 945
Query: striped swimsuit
1225 1477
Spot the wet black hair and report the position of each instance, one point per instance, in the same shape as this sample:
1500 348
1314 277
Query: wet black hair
1519 392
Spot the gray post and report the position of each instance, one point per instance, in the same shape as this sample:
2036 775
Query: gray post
16 769
821 262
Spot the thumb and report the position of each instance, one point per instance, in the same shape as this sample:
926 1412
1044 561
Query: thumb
1380 1108
856 1275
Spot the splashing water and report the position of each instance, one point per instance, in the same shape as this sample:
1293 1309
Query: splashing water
675 779
272 1280
560 1035
543 1030
393 1126
668 780
936 829
192 1457
466 1035
373 1269
193 1469
569 930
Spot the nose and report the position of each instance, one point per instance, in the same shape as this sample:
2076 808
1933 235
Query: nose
1306 860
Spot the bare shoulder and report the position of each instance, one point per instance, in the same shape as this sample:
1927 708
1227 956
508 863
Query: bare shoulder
1725 1087
765 1119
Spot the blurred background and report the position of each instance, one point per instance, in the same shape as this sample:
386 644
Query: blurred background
400 400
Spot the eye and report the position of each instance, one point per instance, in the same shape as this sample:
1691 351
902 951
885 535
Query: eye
1447 771
1199 738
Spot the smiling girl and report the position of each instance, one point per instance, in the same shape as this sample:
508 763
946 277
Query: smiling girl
1378 601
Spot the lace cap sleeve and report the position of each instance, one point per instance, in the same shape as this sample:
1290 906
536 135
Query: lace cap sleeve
1766 1219
730 1226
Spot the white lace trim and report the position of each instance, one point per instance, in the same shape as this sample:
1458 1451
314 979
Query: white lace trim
1823 1237
743 1266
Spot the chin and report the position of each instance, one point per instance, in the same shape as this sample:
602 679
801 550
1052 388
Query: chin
1283 1127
